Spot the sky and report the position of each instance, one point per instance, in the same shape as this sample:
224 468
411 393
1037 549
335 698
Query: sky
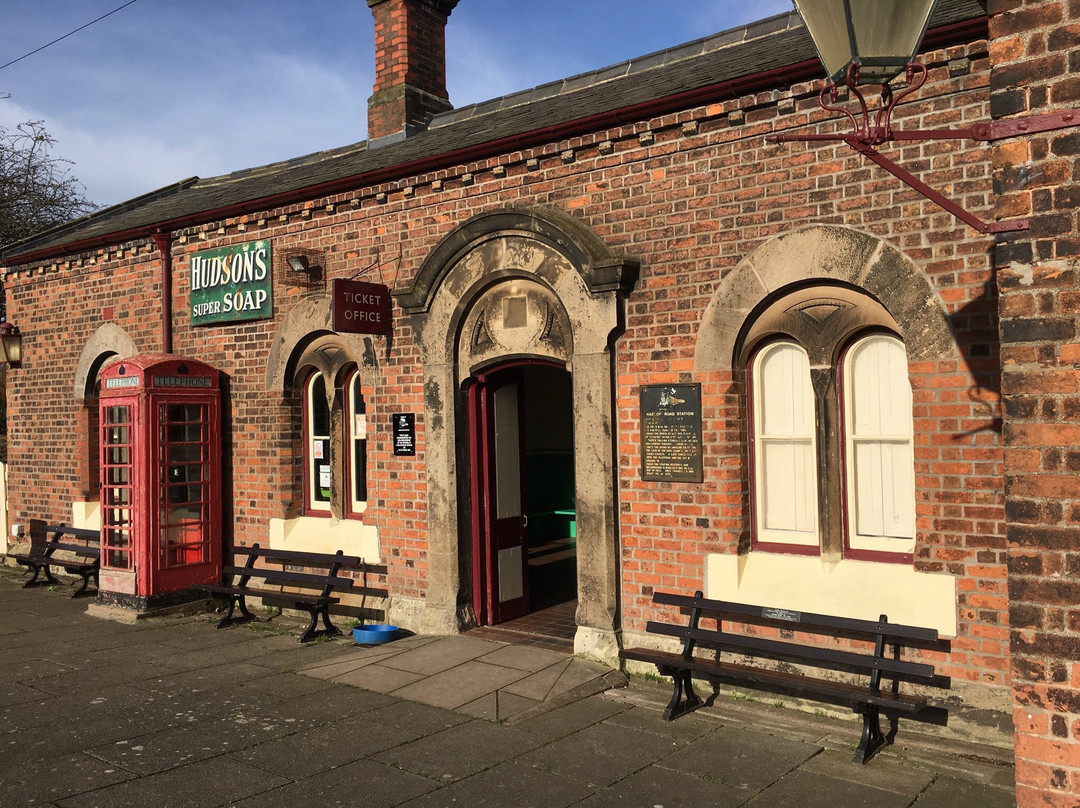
162 90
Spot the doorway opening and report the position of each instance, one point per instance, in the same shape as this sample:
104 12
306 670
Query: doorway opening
524 501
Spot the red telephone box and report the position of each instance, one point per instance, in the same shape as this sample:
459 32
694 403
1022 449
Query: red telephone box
160 478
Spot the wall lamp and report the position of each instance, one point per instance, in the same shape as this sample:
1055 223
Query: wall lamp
11 344
298 263
872 42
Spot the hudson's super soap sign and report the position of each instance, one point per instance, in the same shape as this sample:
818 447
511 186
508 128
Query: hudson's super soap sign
232 284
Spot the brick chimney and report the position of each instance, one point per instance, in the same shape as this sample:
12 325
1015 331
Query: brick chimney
410 65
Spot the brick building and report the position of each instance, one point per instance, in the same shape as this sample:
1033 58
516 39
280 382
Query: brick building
564 264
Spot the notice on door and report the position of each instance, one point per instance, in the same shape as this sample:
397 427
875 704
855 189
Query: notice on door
671 433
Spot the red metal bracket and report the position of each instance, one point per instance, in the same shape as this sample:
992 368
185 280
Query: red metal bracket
866 135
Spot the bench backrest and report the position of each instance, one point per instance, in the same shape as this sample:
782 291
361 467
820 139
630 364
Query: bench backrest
46 538
258 559
879 632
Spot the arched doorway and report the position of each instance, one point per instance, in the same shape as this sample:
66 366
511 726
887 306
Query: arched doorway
523 503
509 286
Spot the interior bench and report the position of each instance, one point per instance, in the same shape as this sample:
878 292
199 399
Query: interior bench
291 579
814 648
80 550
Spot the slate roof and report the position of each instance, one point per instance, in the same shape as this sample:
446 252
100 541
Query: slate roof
770 47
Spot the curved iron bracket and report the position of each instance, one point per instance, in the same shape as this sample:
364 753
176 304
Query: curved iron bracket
866 135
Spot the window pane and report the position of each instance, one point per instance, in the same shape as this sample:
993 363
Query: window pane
785 471
317 440
879 446
357 438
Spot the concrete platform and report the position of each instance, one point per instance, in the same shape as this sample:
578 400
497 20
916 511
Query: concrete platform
172 712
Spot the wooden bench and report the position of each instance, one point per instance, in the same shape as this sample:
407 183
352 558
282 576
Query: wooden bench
80 548
291 579
818 651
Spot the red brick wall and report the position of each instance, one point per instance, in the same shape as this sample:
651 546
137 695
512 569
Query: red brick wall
689 195
1035 52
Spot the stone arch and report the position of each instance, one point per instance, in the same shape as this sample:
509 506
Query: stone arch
824 253
109 341
560 264
306 337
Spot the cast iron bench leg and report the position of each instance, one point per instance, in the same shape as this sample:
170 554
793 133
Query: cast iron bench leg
85 583
228 619
49 579
330 629
872 738
682 686
310 632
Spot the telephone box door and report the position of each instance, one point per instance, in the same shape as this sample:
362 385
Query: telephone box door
186 536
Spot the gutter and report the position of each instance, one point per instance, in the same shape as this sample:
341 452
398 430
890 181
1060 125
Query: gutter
790 74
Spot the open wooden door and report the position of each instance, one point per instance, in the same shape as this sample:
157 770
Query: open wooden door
501 553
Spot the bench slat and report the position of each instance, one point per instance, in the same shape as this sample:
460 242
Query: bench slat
288 576
809 654
852 694
805 621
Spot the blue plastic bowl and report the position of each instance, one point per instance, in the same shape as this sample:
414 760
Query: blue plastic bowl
374 635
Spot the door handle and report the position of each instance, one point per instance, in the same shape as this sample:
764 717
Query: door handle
525 518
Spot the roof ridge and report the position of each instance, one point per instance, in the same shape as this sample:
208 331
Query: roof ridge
661 58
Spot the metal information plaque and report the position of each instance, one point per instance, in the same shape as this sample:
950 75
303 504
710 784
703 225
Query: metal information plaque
671 433
404 426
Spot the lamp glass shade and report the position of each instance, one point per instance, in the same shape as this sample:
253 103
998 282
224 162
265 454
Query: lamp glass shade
882 36
298 263
11 343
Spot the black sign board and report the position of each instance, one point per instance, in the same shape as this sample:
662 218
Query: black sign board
671 433
404 424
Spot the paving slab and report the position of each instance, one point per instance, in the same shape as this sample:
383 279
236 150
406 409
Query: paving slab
949 792
379 678
46 778
508 786
525 658
808 790
309 752
460 751
601 754
568 719
459 685
739 757
438 656
497 706
214 782
654 786
364 783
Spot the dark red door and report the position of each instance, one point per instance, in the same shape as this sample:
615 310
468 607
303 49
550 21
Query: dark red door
501 552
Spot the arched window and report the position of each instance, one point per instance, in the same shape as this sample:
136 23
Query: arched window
831 428
879 452
335 443
784 448
318 451
356 442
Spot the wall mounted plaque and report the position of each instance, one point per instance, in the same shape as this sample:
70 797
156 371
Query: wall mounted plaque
671 433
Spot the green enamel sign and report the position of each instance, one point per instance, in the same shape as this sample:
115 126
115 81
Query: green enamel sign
232 284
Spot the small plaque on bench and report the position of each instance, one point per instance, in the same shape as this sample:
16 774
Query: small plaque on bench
782 614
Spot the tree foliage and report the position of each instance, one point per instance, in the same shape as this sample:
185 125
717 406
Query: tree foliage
37 189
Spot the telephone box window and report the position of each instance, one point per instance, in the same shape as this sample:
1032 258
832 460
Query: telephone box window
116 465
185 480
